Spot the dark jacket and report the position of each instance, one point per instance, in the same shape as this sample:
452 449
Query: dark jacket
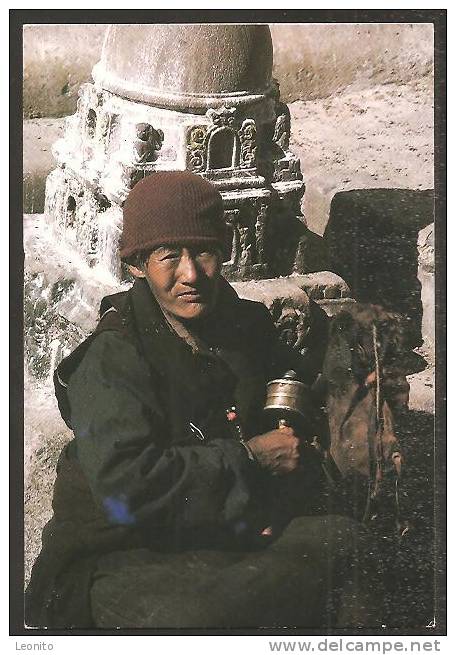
155 463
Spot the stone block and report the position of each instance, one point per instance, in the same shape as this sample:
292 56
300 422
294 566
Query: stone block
322 285
331 306
422 391
372 237
427 281
288 304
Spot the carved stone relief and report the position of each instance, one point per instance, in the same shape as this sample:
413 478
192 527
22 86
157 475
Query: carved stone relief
260 233
282 127
246 246
196 148
286 169
223 117
91 123
247 135
293 324
288 304
147 143
285 230
232 219
241 147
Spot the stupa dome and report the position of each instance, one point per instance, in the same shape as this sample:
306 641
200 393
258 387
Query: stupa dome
191 67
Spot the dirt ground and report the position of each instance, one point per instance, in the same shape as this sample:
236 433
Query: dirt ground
381 137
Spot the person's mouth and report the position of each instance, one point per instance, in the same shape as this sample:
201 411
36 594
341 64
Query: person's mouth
192 295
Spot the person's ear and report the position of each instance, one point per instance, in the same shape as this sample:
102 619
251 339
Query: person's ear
136 272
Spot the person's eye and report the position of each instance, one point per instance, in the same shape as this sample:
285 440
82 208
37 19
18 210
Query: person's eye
206 254
170 256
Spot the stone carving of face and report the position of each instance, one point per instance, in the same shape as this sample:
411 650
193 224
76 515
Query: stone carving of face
143 131
293 325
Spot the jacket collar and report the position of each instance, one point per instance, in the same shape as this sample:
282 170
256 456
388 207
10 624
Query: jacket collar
162 344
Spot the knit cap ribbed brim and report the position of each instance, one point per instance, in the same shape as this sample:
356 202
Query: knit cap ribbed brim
171 207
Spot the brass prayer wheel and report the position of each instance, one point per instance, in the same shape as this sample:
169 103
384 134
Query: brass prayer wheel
288 400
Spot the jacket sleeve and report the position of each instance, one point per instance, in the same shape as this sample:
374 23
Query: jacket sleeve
120 431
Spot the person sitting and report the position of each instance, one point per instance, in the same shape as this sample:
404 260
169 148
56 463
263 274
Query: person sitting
163 500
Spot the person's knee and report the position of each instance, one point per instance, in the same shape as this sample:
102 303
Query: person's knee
324 530
336 541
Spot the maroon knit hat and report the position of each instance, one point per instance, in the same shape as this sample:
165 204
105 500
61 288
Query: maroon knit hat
172 207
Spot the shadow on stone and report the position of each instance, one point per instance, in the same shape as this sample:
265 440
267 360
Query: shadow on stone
371 238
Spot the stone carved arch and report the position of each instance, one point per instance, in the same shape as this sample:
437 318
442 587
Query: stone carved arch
223 148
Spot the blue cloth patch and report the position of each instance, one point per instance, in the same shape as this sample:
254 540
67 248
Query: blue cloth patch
240 527
117 511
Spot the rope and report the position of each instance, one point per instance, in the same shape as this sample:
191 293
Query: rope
379 416
376 476
377 373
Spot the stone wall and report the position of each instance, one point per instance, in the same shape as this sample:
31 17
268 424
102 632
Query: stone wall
316 61
311 61
57 60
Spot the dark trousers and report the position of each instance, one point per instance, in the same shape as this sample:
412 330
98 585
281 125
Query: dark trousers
320 573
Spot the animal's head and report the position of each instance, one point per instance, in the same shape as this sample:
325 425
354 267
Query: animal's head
353 333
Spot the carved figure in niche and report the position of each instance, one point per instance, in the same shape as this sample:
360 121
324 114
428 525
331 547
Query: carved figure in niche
118 180
282 127
71 211
91 123
148 142
260 229
245 246
287 169
93 242
196 152
248 143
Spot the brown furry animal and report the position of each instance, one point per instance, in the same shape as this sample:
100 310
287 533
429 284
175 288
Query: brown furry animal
365 379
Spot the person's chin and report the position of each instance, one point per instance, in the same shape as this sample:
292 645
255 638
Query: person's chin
193 310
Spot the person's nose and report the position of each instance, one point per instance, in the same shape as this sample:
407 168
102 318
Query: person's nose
187 271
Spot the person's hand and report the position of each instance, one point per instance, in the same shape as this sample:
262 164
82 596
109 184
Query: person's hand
276 451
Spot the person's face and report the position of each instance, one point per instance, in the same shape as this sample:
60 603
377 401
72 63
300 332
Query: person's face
183 279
